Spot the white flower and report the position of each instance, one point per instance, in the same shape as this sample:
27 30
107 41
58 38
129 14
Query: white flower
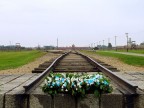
62 87
81 80
97 80
72 79
68 81
63 74
79 85
77 81
49 79
65 84
100 76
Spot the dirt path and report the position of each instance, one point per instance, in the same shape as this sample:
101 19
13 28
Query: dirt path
30 66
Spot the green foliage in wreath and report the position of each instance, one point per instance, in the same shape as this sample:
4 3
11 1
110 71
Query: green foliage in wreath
77 84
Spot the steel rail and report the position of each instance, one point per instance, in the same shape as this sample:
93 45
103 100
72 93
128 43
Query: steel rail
127 87
36 82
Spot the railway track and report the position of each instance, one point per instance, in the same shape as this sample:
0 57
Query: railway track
78 62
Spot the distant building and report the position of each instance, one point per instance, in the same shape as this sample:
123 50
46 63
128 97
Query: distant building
17 46
49 47
74 48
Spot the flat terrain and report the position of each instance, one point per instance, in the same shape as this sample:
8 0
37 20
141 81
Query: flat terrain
14 59
27 68
131 51
116 62
134 59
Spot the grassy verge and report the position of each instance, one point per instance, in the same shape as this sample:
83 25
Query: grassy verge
132 51
11 59
137 51
128 59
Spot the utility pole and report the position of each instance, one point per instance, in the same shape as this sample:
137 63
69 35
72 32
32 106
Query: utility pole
127 40
99 45
108 43
115 43
10 43
103 44
91 45
108 40
57 43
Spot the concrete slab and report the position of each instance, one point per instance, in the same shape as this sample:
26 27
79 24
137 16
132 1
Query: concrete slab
3 76
16 101
140 84
1 100
11 94
16 82
139 100
112 100
19 89
89 102
126 76
9 78
39 99
64 101
139 77
134 73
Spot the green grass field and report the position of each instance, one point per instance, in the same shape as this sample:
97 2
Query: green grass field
128 59
13 59
132 51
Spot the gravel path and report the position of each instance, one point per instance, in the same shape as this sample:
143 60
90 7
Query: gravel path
30 66
118 64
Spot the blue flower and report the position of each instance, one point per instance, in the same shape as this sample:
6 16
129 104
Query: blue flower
106 83
57 83
81 83
62 80
90 81
53 83
97 76
65 84
72 85
48 84
56 78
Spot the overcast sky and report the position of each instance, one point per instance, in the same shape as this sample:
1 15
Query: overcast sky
79 22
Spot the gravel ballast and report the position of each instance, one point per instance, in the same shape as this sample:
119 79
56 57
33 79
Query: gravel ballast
118 64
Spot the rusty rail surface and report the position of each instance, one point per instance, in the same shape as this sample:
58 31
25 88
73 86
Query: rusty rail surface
36 82
125 85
